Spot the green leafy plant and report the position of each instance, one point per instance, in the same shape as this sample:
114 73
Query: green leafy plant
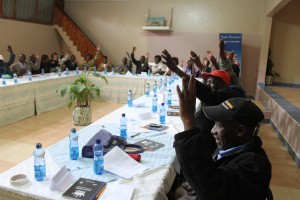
270 64
81 90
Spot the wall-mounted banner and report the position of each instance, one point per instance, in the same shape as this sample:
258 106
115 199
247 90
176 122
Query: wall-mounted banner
233 42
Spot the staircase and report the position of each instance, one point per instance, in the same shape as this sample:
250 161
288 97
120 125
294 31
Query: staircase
73 36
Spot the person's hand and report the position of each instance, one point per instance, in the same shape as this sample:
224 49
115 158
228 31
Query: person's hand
128 55
214 62
209 54
133 49
147 55
98 48
169 61
9 49
222 44
196 60
187 101
108 60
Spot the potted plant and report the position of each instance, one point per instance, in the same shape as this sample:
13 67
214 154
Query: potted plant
269 71
83 92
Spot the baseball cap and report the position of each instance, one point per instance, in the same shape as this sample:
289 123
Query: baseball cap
235 109
1 57
223 75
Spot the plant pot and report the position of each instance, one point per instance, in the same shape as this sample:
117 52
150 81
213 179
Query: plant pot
269 80
82 116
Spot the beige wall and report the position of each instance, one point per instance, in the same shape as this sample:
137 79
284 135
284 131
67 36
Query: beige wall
117 27
271 7
285 43
28 38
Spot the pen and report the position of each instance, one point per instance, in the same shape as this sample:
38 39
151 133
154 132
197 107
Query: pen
135 135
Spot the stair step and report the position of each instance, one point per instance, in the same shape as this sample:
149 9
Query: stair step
267 112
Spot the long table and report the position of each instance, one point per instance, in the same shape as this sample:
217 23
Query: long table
27 98
151 184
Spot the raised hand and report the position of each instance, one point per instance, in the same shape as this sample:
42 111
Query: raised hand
222 49
98 48
214 62
37 56
196 60
187 101
128 55
209 54
133 49
147 55
9 49
169 61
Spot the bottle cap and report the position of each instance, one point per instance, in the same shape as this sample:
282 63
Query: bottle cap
162 104
73 130
123 114
98 141
169 90
38 145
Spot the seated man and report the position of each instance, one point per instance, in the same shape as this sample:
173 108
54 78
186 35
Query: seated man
34 63
4 66
125 66
142 64
21 67
159 68
71 63
239 168
104 64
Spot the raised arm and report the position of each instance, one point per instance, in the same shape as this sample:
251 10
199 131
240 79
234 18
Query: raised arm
12 55
222 49
196 60
132 56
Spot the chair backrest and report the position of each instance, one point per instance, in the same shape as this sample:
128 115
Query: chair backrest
270 195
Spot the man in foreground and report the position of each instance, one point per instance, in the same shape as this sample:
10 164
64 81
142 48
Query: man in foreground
240 168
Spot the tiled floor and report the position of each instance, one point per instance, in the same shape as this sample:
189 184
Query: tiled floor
17 143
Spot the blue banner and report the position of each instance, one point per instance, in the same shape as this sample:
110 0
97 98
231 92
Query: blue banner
233 42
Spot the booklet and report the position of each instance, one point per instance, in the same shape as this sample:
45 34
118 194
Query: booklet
85 189
150 145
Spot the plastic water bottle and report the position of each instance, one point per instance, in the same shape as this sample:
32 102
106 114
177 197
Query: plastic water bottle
39 163
154 103
113 70
95 70
123 126
129 98
84 70
43 72
29 75
105 71
169 97
160 83
3 81
166 82
98 158
149 72
147 90
74 148
170 80
67 71
77 71
59 72
15 78
155 87
162 114
132 71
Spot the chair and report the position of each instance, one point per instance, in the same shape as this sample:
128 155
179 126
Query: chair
270 194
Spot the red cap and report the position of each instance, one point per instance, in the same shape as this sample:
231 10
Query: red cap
223 75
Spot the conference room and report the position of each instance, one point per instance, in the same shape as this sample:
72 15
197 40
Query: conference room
31 111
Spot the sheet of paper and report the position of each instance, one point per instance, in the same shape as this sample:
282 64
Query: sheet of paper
117 192
118 162
62 180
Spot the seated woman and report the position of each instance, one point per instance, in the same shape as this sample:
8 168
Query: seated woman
105 64
90 62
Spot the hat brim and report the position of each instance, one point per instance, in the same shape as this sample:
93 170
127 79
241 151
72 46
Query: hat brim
218 113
